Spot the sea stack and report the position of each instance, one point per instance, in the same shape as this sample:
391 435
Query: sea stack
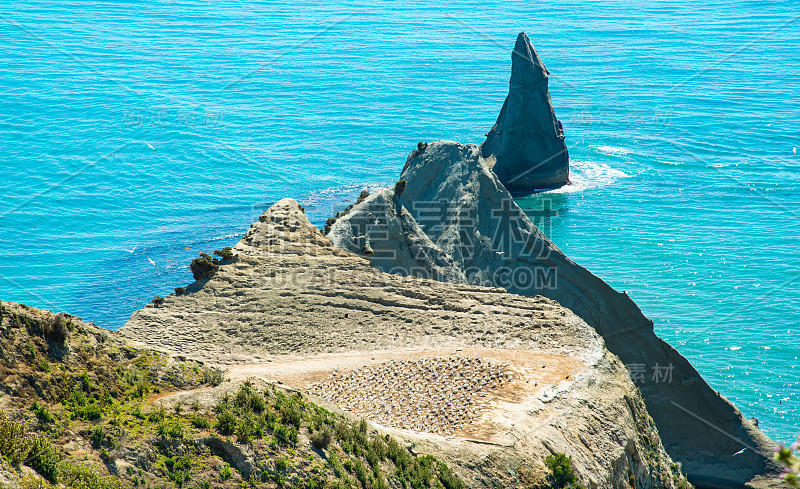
526 148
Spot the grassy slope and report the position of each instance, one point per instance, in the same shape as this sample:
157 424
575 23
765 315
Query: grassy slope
78 411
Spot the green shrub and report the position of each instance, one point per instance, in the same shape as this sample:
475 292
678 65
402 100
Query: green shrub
226 422
14 442
42 412
90 412
248 400
18 446
43 458
245 430
289 409
179 469
400 187
212 376
180 290
203 266
44 365
322 438
173 429
140 389
226 473
286 435
562 474
448 478
97 436
338 469
225 253
157 415
85 477
201 422
58 330
137 412
161 429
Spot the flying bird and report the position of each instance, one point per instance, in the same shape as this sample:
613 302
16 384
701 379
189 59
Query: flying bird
152 262
150 145
131 250
794 149
740 451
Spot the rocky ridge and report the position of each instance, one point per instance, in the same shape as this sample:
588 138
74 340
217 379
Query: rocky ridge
81 408
292 300
456 222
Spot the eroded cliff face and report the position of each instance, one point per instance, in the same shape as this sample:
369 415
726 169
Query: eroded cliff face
295 308
455 221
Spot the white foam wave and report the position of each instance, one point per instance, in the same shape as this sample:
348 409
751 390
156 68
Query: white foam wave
586 175
613 150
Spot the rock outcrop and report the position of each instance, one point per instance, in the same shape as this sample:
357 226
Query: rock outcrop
455 221
295 308
526 148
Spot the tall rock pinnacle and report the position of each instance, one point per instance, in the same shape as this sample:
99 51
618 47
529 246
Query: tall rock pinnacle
525 148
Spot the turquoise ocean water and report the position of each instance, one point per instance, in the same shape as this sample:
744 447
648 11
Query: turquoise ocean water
166 128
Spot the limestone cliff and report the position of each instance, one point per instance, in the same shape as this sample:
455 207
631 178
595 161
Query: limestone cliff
526 148
455 221
294 308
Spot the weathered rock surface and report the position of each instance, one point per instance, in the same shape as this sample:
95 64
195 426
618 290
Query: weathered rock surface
526 148
455 221
302 307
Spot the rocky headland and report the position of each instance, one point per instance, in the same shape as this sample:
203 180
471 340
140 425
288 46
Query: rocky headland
432 336
454 220
295 308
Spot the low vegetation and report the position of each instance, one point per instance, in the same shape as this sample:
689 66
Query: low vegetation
97 420
204 266
790 458
562 474
225 253
420 148
399 187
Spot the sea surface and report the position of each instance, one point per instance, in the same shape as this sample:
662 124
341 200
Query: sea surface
136 135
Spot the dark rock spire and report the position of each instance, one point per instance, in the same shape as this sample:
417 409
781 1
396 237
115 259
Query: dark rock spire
525 148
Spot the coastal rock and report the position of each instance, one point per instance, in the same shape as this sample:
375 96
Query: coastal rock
526 148
472 231
293 308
